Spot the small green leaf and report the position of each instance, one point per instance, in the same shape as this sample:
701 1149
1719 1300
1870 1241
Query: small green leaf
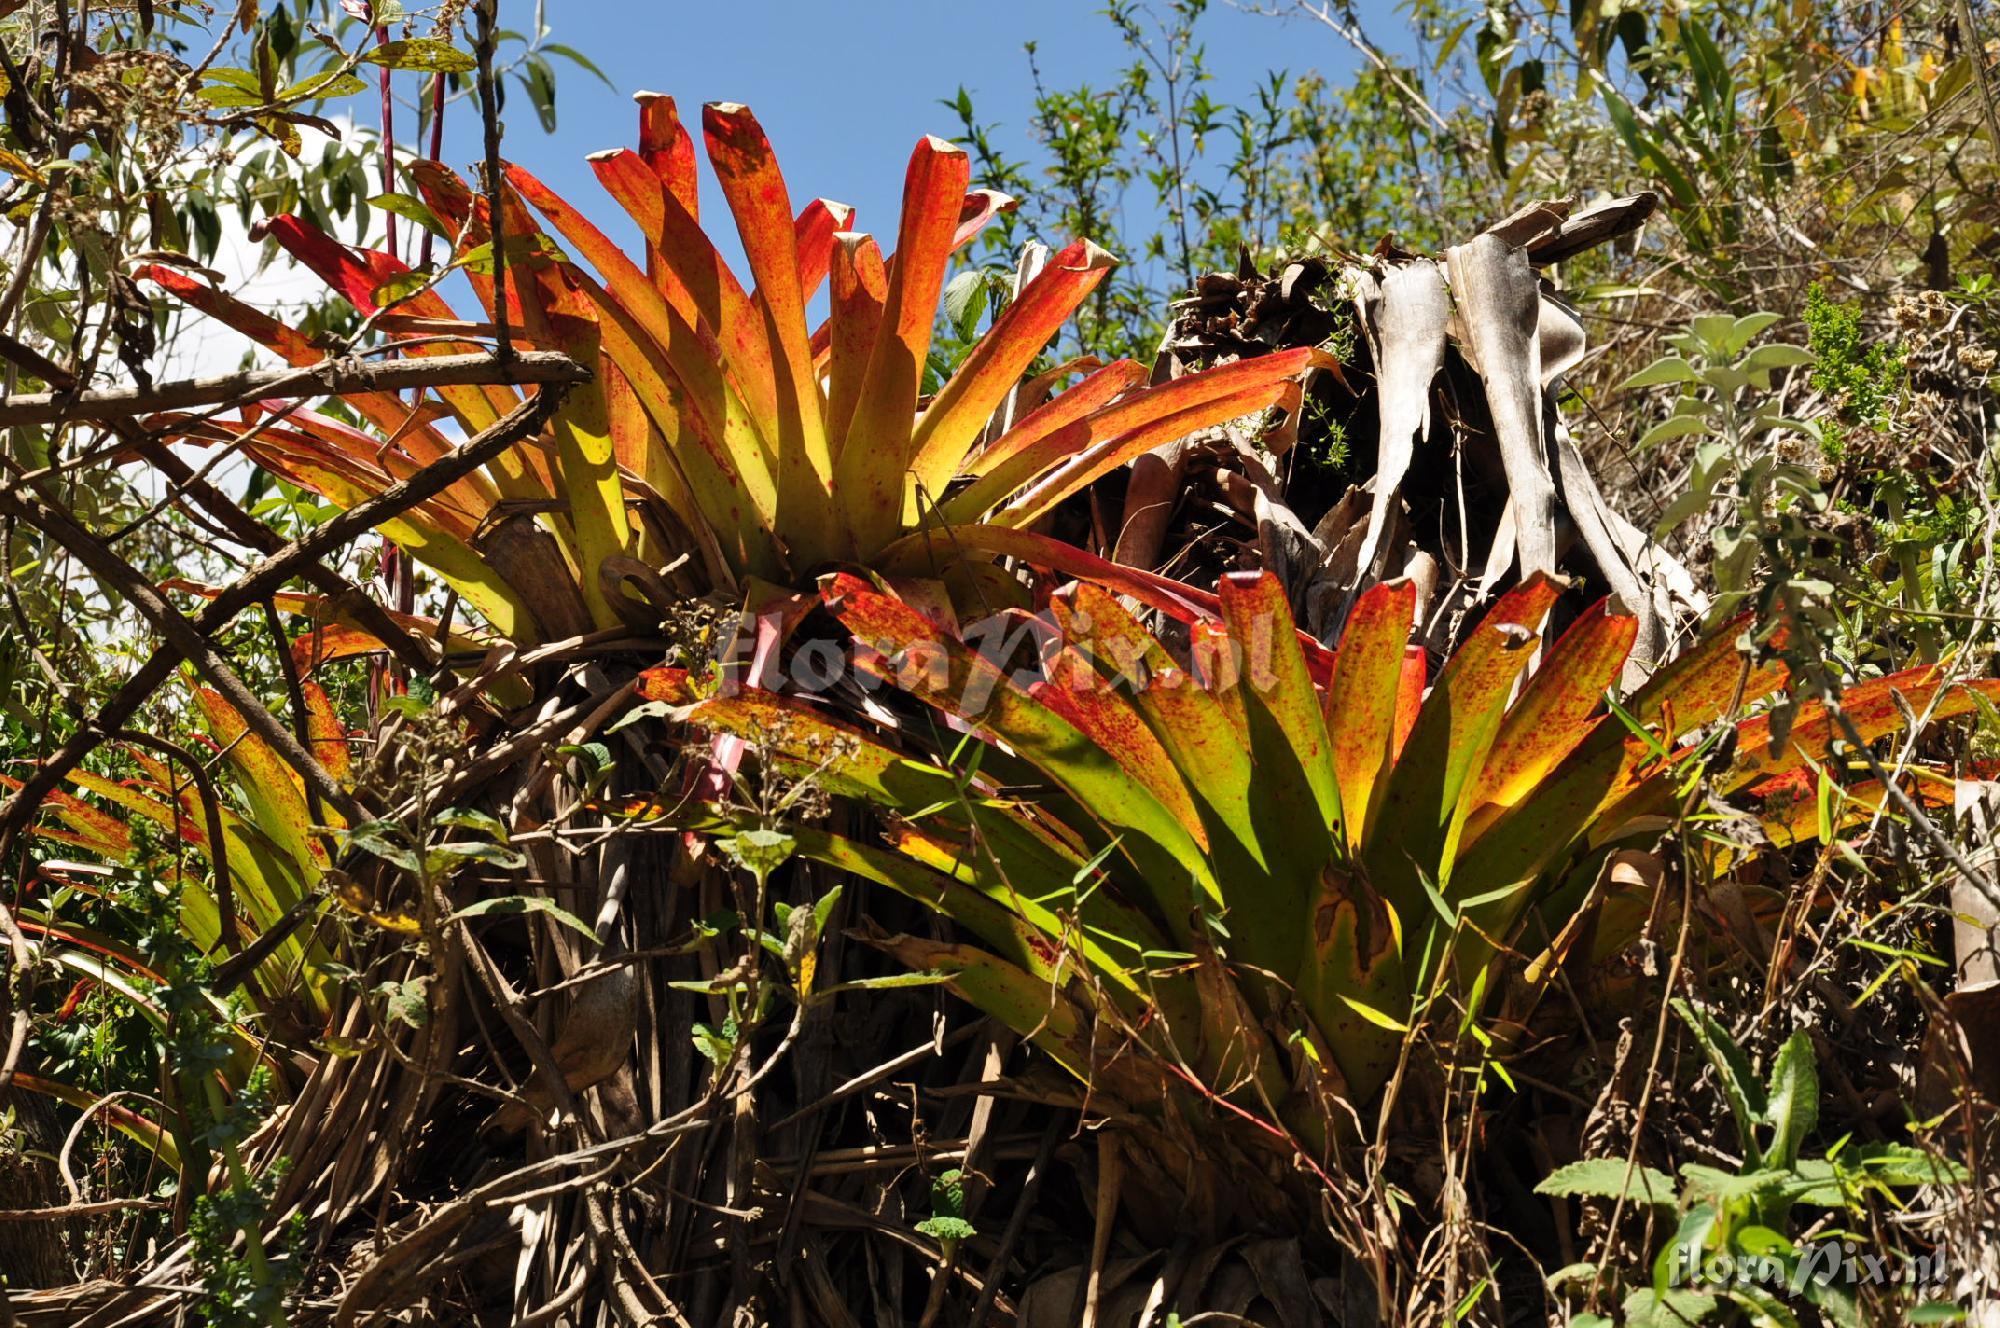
759 852
402 286
427 55
408 1002
516 905
947 1221
823 909
414 209
947 1228
332 83
473 819
1677 1308
1610 1178
1774 356
383 839
644 710
718 1045
948 1193
441 856
1666 369
888 981
1672 427
224 96
1794 1098
1372 1015
1747 329
1724 1186
1739 1087
1900 1164
965 300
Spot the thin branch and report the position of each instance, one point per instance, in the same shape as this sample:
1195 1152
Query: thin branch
489 113
183 636
268 575
328 378
211 806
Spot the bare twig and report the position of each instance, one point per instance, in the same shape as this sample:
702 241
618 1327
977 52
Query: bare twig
328 378
187 639
211 806
489 114
268 575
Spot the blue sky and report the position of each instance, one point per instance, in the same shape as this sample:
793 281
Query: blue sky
846 88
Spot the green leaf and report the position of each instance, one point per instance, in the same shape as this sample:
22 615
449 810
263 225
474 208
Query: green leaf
424 54
1739 1087
1374 1016
472 819
578 59
412 209
1677 1308
928 978
1746 330
440 857
947 1221
1774 356
1666 369
1610 1178
1724 1186
409 1002
823 909
644 710
759 852
402 286
947 1228
224 96
1763 1309
332 83
383 839
1794 1098
1761 1240
1900 1164
718 1045
1718 333
948 1193
1674 426
1584 1272
516 905
1682 1257
965 301
539 82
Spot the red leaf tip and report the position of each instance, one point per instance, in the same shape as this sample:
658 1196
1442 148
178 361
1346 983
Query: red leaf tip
838 586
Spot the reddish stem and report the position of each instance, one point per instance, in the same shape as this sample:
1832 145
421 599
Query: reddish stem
396 572
436 153
388 142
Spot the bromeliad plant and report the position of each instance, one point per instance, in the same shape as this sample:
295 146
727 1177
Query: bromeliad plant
719 420
1249 864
